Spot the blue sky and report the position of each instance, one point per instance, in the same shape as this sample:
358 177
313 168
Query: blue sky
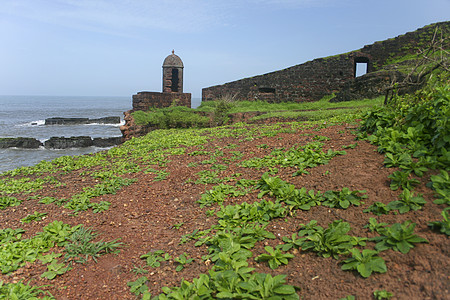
116 47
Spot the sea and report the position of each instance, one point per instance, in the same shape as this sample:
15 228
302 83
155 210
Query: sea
24 116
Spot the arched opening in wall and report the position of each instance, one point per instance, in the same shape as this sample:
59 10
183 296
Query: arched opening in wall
174 86
361 66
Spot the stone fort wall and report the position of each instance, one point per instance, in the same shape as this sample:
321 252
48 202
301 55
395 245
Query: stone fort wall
147 100
314 79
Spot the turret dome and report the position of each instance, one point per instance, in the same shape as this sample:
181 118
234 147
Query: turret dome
173 61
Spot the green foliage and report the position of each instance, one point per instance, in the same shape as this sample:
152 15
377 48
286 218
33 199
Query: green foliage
364 262
154 258
109 185
375 226
258 212
10 235
208 176
343 198
222 109
399 237
332 241
182 261
80 246
139 286
264 286
36 216
407 201
7 201
219 192
171 117
48 200
382 294
9 185
15 252
161 175
444 225
417 125
275 257
283 191
401 179
228 284
308 156
21 291
441 185
290 242
351 146
377 208
178 225
58 232
55 269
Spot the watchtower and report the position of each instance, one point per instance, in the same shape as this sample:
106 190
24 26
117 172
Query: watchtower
172 88
172 74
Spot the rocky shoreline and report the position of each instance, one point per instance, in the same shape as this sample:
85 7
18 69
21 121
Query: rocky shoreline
66 142
60 142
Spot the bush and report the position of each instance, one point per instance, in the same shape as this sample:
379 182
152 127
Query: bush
222 109
171 117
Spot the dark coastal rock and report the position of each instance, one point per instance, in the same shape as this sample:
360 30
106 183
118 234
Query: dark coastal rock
20 142
72 142
81 121
107 142
105 120
66 121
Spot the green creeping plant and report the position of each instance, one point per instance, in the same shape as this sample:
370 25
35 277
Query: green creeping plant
140 287
55 269
36 216
23 291
182 260
364 262
289 243
332 241
407 201
400 179
382 294
7 201
154 258
375 226
441 184
444 225
274 258
343 198
80 246
399 237
377 208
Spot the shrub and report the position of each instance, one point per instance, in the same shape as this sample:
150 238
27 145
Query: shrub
171 117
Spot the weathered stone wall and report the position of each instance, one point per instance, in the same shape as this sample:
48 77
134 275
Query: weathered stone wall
306 82
146 100
314 79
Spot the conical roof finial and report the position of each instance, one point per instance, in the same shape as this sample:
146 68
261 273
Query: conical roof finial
173 51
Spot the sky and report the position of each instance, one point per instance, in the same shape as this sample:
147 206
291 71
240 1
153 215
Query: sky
117 47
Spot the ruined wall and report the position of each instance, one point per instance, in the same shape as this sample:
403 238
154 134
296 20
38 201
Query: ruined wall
146 100
314 79
306 82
